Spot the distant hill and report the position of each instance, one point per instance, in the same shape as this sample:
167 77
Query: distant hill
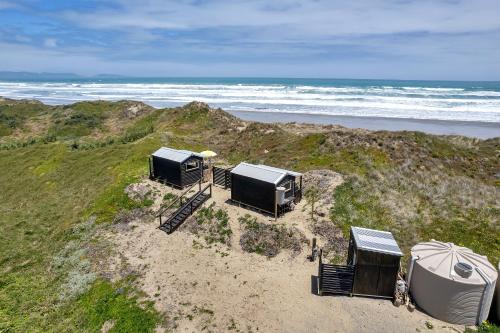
11 75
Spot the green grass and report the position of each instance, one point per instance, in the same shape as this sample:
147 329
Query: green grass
354 207
14 115
46 190
485 327
415 214
81 120
117 303
5 129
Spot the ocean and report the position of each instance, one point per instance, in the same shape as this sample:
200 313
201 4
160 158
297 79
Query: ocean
394 99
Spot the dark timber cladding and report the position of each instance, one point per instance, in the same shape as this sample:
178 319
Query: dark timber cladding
178 168
258 186
375 256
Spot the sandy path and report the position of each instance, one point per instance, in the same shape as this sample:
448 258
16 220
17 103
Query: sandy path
219 289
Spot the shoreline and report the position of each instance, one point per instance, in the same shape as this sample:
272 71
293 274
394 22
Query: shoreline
474 129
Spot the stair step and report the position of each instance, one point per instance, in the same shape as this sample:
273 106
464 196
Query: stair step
184 212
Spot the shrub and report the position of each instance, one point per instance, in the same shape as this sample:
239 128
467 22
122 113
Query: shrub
212 224
269 239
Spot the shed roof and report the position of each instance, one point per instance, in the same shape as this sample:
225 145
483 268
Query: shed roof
376 241
262 172
293 173
174 154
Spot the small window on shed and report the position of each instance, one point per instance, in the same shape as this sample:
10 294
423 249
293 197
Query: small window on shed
192 165
287 186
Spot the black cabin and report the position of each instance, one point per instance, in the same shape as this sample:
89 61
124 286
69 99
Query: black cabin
178 168
267 189
375 256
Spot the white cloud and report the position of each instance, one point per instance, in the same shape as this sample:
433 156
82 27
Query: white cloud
89 62
50 42
7 5
329 38
301 19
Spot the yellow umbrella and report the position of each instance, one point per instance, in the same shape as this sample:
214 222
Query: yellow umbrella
208 154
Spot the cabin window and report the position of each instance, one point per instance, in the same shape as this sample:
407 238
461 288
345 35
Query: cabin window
287 186
192 165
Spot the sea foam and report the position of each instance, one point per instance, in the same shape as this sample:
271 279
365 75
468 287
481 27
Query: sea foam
363 100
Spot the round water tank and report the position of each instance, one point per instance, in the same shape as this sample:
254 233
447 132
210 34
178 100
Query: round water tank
452 283
498 297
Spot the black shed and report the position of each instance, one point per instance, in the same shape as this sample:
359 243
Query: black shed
268 189
375 256
178 168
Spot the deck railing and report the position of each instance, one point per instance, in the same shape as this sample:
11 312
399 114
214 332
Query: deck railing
163 209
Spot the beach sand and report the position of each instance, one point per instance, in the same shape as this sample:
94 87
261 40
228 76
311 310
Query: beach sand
482 130
214 288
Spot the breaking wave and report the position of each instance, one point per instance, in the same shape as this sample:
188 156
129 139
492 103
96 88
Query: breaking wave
363 100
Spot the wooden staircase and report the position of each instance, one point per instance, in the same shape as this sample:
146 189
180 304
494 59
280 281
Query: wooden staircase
185 210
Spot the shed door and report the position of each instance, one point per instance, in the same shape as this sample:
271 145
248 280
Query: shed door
367 273
366 280
389 267
375 274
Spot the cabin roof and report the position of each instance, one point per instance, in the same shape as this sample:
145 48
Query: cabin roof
174 154
375 240
262 172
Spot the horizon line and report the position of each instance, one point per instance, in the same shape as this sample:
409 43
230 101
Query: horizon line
128 76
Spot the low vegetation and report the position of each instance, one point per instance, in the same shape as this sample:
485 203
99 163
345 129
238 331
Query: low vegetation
410 204
15 114
116 307
210 223
269 239
65 170
336 245
485 327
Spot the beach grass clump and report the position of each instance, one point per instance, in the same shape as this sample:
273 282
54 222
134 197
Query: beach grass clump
335 243
30 141
269 239
14 114
141 127
210 223
74 263
79 119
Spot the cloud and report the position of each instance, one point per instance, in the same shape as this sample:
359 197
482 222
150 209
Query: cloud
439 39
306 18
50 42
7 5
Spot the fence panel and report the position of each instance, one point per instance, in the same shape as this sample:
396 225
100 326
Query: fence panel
221 177
335 279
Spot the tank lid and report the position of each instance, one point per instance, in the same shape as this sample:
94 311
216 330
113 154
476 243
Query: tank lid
453 262
463 269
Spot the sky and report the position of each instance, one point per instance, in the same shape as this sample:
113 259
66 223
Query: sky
391 39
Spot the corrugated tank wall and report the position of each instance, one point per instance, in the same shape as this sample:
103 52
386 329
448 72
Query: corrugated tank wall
441 287
444 299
